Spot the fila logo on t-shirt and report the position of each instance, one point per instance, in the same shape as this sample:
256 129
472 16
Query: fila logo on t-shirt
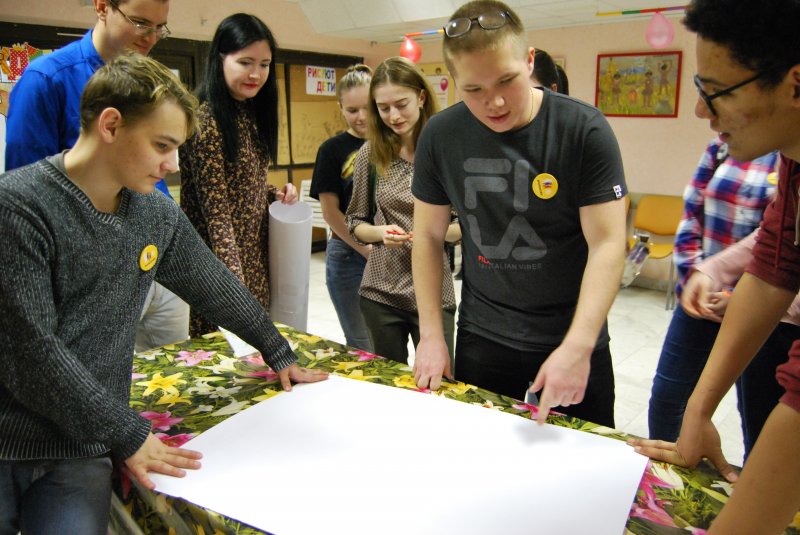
486 176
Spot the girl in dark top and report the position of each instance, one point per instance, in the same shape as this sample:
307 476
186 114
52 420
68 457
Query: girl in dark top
224 189
332 185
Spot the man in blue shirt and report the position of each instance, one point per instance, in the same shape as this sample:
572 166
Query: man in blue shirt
44 119
43 115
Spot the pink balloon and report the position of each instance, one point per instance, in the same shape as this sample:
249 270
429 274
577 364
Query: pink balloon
411 50
660 32
443 84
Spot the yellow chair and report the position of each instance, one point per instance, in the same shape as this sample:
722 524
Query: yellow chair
659 215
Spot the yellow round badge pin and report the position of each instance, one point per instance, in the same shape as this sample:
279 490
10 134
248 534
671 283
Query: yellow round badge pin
545 186
148 257
772 178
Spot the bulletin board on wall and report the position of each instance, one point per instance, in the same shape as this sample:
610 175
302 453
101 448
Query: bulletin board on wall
308 114
441 82
14 58
284 155
314 119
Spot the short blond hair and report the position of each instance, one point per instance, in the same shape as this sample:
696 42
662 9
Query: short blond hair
135 86
478 39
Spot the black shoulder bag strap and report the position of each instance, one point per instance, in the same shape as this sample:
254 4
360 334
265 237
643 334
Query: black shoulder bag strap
373 192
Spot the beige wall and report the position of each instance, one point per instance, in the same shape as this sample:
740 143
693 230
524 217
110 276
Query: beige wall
660 154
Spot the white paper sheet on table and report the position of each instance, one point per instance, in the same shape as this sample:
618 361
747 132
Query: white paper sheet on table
239 347
345 456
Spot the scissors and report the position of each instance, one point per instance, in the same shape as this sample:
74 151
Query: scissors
530 397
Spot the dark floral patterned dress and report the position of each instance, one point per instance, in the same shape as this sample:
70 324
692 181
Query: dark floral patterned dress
227 202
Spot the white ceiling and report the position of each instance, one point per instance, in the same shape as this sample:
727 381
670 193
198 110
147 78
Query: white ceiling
387 21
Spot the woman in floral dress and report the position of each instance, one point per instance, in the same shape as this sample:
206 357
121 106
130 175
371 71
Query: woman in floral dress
224 189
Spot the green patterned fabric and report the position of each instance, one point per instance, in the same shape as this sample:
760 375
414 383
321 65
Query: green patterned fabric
187 388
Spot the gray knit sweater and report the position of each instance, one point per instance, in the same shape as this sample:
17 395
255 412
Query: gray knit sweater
72 290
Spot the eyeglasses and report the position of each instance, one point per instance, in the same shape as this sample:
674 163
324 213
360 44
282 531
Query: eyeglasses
488 21
708 98
144 30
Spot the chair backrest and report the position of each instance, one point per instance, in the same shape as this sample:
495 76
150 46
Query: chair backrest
658 214
316 208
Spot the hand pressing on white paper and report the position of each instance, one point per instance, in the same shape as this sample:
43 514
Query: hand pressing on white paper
155 456
294 373
287 195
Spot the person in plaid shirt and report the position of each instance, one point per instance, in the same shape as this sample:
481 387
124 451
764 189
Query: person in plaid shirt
724 202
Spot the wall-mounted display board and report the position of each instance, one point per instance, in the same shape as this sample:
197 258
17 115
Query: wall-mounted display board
444 89
308 109
314 118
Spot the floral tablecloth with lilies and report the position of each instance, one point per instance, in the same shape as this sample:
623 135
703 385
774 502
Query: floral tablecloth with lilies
187 388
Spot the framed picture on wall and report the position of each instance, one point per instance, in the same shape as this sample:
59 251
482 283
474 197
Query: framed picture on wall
638 84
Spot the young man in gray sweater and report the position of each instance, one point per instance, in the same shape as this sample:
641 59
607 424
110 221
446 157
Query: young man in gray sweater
84 240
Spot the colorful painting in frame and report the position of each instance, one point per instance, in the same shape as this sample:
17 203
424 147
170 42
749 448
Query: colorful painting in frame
643 84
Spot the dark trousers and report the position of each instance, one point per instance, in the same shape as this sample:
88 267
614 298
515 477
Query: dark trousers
55 496
390 327
683 356
508 371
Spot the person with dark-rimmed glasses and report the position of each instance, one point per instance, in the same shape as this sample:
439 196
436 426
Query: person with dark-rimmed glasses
748 72
44 119
708 99
536 178
491 20
144 28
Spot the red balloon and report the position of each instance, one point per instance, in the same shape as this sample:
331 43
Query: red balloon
411 50
443 84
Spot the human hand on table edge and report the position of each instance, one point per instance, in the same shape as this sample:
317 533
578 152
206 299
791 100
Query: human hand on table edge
698 439
295 373
562 380
431 362
155 456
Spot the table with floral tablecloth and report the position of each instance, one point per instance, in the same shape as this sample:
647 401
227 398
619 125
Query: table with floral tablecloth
187 388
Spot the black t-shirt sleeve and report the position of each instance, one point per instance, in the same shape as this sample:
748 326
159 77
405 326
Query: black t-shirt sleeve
602 172
427 184
327 172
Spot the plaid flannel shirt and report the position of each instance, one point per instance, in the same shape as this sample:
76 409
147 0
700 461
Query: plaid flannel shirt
723 203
